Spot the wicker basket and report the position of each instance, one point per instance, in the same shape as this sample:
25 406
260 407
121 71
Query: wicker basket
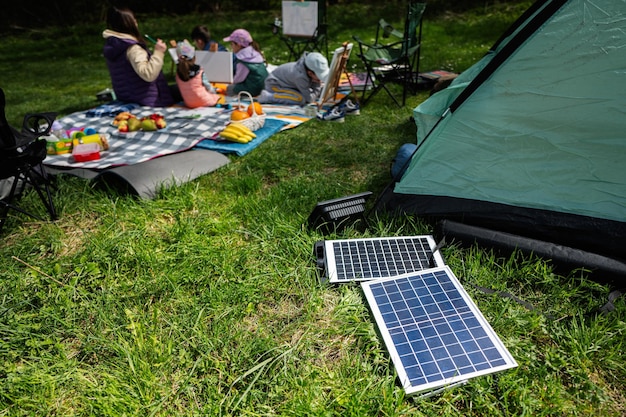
254 122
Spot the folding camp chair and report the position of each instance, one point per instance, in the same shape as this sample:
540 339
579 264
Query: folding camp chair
21 156
304 27
397 61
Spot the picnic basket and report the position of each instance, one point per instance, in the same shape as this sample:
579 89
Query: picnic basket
254 122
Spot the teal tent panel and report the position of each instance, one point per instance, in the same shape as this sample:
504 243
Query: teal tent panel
547 129
428 113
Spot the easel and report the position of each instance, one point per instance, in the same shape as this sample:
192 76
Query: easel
337 67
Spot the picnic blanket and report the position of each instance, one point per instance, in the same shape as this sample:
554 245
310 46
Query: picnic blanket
277 118
240 149
142 162
185 128
292 115
147 178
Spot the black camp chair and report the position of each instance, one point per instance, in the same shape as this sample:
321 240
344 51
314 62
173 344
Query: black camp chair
396 61
290 29
21 156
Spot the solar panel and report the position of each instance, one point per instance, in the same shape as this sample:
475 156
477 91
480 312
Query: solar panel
435 334
372 258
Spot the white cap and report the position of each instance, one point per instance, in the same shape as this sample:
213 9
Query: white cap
317 63
185 49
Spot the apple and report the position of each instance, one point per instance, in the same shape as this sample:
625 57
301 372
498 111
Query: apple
122 126
160 123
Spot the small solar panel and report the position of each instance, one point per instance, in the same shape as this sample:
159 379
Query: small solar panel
364 259
435 334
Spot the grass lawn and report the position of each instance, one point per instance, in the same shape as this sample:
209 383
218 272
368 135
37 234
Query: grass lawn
206 301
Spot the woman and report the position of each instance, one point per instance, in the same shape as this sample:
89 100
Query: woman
136 74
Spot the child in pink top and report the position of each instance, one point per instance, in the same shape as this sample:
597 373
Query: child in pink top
194 88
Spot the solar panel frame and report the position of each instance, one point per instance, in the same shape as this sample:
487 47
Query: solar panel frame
435 334
348 260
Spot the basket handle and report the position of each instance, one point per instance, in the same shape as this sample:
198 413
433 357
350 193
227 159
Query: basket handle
251 101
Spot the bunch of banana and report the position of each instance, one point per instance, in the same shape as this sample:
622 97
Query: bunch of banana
236 132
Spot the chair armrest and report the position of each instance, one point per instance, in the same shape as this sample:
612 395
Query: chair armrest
377 45
38 124
388 30
363 43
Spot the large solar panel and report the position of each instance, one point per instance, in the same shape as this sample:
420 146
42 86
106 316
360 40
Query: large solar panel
372 258
435 334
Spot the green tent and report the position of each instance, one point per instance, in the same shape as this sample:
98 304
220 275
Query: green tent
531 140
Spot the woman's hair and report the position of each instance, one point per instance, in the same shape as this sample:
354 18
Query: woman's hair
183 67
201 32
123 20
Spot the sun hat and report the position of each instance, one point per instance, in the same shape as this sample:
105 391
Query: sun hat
317 63
240 36
185 49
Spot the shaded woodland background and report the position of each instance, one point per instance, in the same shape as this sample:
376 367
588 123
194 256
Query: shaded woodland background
18 16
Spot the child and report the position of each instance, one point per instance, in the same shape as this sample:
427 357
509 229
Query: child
194 88
201 36
250 71
135 72
296 83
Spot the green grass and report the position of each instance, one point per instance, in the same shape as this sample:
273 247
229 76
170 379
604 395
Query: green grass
206 301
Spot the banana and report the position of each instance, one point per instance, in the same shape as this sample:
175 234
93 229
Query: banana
244 127
233 130
234 136
228 134
244 130
237 132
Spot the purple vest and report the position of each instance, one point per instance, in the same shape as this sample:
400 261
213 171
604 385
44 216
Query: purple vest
128 86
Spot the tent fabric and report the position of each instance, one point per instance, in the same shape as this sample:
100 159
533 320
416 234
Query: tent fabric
532 137
428 113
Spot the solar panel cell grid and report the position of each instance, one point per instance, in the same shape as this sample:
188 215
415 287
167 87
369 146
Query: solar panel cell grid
363 259
435 335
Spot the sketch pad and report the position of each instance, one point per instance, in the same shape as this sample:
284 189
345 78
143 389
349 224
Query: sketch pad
217 66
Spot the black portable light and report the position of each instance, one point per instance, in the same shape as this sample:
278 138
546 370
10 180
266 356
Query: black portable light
336 214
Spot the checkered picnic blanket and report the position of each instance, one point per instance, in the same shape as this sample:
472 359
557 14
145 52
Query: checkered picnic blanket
111 109
185 128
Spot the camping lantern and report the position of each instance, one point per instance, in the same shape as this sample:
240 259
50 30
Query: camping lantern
336 214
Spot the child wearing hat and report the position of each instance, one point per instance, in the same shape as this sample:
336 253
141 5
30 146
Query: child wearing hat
194 88
249 64
296 83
